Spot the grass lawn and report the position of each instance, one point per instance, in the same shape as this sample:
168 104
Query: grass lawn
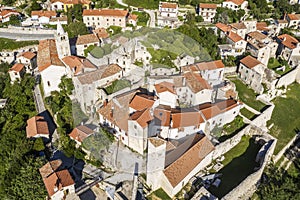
247 95
159 194
143 18
9 44
286 117
117 85
273 63
148 4
238 164
245 112
232 128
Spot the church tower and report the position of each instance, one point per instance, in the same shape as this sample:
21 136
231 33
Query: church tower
62 42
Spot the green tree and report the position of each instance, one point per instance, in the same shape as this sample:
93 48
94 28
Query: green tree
39 145
76 28
35 6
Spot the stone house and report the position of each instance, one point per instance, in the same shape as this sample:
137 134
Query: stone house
104 18
184 60
251 72
289 49
58 182
75 65
37 127
80 133
207 11
43 16
84 41
29 60
281 24
239 28
293 21
65 4
237 42
132 19
16 72
166 94
167 14
6 14
87 86
235 4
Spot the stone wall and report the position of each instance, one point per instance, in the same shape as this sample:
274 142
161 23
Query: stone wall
246 188
288 78
26 30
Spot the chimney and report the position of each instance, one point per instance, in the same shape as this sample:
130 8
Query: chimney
105 102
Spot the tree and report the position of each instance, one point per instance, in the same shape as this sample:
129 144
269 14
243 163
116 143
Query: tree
35 6
39 145
76 28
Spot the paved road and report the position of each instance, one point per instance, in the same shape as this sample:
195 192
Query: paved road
21 36
39 99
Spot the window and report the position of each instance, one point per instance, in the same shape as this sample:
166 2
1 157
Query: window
48 83
135 127
107 20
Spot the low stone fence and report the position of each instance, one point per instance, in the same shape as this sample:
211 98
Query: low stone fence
230 70
246 188
278 156
26 30
288 78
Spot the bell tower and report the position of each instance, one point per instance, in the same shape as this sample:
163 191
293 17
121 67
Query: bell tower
62 42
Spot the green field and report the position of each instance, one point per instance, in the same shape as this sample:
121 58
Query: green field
158 195
247 95
232 128
148 4
286 117
238 164
245 112
9 44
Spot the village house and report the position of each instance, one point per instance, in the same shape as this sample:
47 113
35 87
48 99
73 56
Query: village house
104 18
235 4
166 93
75 65
289 49
58 182
207 11
281 24
80 133
293 21
170 164
28 59
132 19
65 4
88 85
239 28
6 14
84 41
183 60
167 14
43 16
37 127
261 46
237 42
251 71
16 72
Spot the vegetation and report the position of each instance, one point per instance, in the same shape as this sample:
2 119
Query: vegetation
241 157
279 184
76 28
226 15
99 52
9 44
259 9
143 18
18 157
247 95
114 30
245 112
139 63
148 4
162 58
107 4
159 194
232 128
285 117
117 85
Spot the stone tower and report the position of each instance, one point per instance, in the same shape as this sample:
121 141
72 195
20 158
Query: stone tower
155 162
62 42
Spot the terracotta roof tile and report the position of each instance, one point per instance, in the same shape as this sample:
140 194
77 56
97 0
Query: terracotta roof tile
195 82
142 117
37 125
47 55
164 87
250 62
103 72
211 112
169 5
288 41
162 116
204 66
294 16
208 5
223 27
106 12
44 13
257 35
238 25
185 119
87 39
262 26
142 101
17 67
237 2
234 37
80 133
28 54
133 17
77 64
6 13
179 169
101 33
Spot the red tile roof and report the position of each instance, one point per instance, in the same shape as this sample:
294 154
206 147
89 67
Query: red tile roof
105 12
17 67
47 55
44 13
195 82
237 2
234 37
223 27
101 33
165 87
28 54
208 5
133 17
238 25
37 125
169 5
262 26
87 39
77 64
288 41
294 16
183 166
6 13
80 133
72 1
142 117
186 119
142 101
204 66
162 116
250 62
